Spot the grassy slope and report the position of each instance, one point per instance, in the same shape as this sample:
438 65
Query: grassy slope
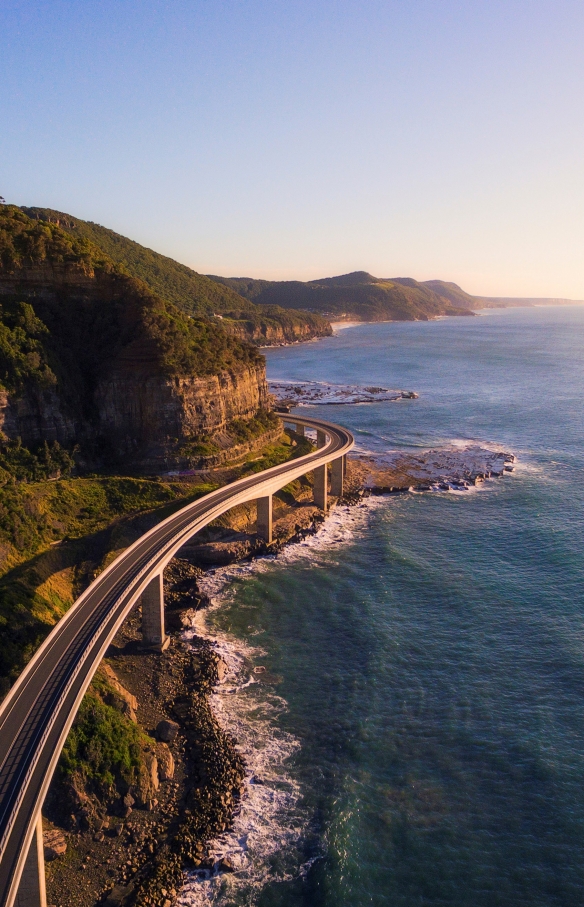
54 536
191 292
359 295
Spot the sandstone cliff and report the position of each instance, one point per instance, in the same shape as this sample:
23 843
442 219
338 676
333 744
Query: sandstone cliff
151 416
90 356
272 332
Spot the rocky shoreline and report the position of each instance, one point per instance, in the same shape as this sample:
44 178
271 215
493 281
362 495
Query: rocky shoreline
135 853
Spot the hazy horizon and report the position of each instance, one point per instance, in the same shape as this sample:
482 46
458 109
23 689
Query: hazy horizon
434 141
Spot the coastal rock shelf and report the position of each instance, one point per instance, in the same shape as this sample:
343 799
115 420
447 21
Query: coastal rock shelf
311 393
444 469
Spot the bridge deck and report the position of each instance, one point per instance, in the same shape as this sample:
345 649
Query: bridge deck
38 711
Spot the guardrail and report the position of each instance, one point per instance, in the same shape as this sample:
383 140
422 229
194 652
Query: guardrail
38 711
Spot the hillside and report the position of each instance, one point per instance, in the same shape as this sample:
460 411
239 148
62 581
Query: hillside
192 293
358 295
91 356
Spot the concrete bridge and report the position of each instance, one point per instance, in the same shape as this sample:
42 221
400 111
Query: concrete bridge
39 710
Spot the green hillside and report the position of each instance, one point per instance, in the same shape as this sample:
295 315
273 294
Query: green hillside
192 293
358 295
120 315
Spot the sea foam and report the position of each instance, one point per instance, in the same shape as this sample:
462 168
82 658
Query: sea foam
265 841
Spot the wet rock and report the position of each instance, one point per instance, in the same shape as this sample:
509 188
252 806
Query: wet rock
166 730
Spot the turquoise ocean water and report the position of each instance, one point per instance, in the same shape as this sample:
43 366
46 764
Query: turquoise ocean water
425 670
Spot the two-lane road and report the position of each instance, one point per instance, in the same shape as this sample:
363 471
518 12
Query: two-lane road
38 711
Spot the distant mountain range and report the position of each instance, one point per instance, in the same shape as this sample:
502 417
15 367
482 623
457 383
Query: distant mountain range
358 295
363 297
506 301
267 312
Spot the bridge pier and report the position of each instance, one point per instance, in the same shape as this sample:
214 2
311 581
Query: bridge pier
299 429
152 601
320 438
337 477
264 524
321 487
31 890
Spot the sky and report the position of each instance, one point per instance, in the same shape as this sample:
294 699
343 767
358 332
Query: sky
306 138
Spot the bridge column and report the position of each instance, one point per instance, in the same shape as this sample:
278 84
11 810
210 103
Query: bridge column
264 525
337 476
320 438
152 600
299 429
31 891
320 487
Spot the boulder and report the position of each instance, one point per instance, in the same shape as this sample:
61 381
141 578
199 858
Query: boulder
122 699
165 762
148 781
117 896
167 730
54 843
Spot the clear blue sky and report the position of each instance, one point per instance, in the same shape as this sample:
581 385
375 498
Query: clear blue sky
422 138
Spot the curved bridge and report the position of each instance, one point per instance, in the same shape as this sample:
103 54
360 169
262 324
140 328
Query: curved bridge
37 713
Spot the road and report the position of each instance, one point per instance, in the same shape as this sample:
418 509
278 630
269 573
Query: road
38 711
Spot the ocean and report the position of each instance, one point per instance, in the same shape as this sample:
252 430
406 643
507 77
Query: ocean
408 686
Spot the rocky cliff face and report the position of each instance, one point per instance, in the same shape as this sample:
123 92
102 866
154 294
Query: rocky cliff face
273 334
150 415
36 415
90 356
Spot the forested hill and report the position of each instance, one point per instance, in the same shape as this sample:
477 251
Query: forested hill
191 292
359 295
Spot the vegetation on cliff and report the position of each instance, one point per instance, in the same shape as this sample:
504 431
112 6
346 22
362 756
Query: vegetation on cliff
103 747
359 295
25 242
192 293
70 322
119 317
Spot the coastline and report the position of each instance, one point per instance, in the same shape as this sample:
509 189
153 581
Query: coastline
204 799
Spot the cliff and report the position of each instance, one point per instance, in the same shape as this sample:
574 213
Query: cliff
154 418
90 356
276 326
